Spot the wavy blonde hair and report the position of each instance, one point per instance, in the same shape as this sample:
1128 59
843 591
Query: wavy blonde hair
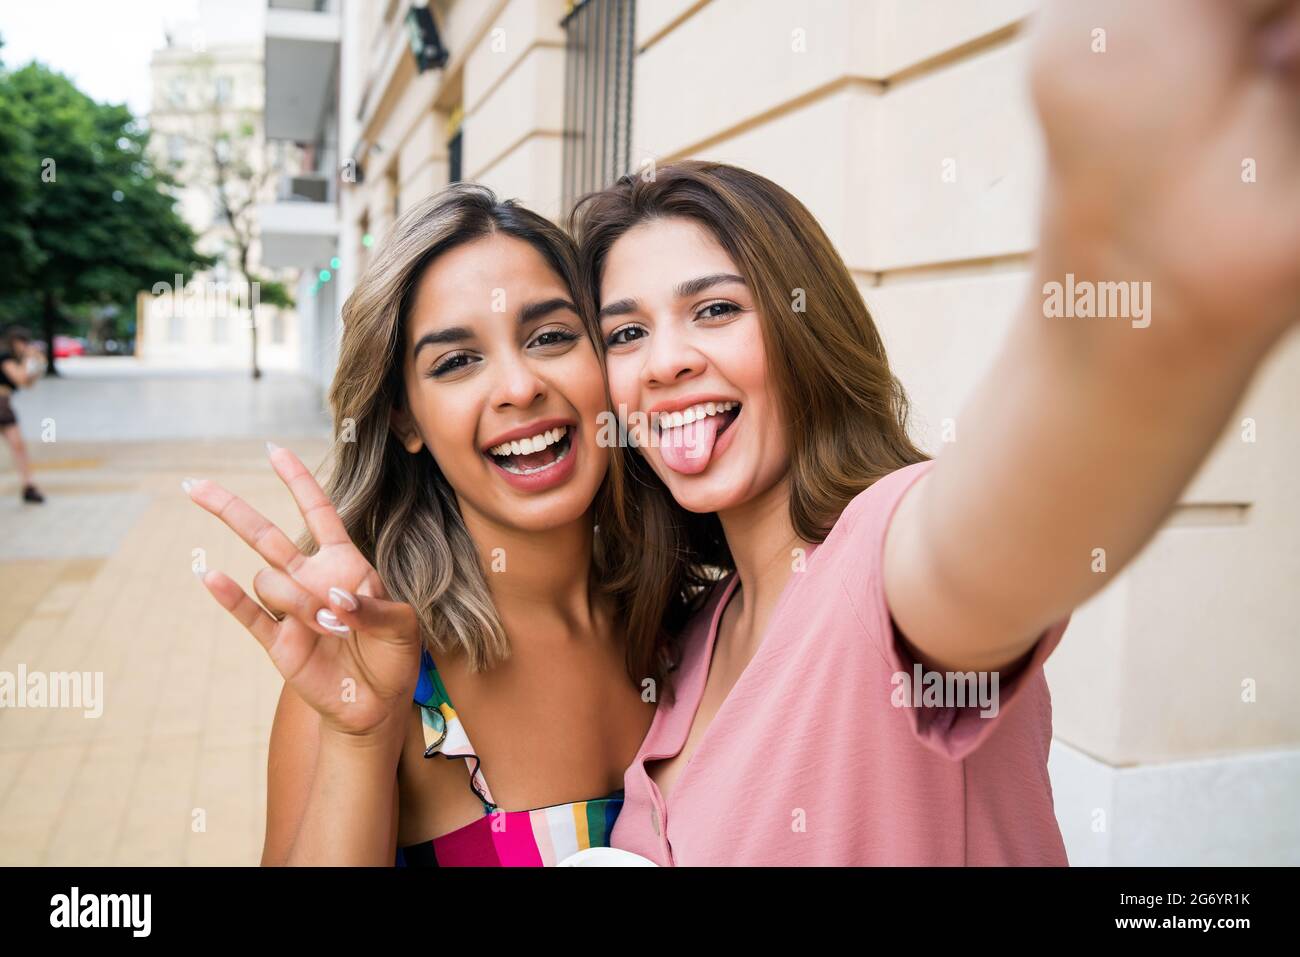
398 508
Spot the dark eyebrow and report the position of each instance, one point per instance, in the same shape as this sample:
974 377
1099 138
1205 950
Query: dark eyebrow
530 313
442 336
538 310
692 287
620 308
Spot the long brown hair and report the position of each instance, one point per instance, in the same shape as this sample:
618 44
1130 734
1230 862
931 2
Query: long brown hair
846 411
398 508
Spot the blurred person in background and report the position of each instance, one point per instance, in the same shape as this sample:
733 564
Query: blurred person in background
21 364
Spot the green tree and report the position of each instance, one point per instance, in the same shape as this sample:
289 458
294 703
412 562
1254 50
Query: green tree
100 214
21 256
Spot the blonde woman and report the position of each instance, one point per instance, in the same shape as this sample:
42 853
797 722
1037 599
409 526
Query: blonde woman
450 557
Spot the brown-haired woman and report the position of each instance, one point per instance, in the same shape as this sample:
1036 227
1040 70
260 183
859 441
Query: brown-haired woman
457 523
864 684
21 364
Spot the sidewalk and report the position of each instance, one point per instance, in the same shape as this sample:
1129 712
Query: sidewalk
98 579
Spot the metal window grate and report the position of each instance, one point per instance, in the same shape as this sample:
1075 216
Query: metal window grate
454 154
599 38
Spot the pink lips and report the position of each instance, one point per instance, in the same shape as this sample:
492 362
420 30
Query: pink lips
542 479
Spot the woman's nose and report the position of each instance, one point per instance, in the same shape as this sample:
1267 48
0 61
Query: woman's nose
671 358
518 384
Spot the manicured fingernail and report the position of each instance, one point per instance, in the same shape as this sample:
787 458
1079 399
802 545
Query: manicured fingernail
343 599
199 573
187 484
271 447
325 618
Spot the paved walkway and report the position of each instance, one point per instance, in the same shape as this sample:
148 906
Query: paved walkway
98 580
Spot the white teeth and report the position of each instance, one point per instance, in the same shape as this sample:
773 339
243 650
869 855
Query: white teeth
515 469
671 420
532 444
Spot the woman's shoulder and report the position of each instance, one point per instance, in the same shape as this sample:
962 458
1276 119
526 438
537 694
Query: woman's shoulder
875 504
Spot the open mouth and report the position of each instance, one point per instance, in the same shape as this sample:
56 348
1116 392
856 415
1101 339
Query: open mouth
688 437
534 454
721 414
728 417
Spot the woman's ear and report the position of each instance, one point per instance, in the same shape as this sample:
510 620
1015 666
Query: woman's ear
399 420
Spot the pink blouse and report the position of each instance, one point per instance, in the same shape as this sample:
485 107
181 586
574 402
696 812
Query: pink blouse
820 755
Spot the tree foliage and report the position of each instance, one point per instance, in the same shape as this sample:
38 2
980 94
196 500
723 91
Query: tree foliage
86 218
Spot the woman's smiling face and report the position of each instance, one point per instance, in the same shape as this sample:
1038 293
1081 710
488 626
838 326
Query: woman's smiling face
503 385
684 347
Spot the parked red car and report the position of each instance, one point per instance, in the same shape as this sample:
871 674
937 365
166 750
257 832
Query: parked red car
65 346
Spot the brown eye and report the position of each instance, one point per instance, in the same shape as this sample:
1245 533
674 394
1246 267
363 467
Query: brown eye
449 364
717 310
623 335
554 337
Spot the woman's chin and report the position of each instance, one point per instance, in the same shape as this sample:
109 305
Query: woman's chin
552 508
539 516
704 494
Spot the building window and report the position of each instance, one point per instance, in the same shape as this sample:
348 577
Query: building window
176 149
599 45
176 91
224 89
277 327
455 148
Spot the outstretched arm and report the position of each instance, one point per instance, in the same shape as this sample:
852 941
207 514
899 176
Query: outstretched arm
1087 429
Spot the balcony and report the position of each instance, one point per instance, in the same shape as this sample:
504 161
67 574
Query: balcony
302 51
300 229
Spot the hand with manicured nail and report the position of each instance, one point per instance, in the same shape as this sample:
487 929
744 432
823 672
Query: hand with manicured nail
325 619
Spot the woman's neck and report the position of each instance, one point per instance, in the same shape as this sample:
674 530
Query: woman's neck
543 578
762 541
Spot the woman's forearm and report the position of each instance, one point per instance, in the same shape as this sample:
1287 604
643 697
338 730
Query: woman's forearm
1068 457
348 817
1167 271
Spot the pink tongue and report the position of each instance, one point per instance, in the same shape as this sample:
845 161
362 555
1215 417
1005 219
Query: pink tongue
688 448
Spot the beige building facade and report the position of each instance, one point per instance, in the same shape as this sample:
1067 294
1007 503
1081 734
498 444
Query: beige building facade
208 87
906 128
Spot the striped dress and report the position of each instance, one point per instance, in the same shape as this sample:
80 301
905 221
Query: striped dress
541 837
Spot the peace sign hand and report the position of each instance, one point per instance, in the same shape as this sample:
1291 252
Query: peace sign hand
340 643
